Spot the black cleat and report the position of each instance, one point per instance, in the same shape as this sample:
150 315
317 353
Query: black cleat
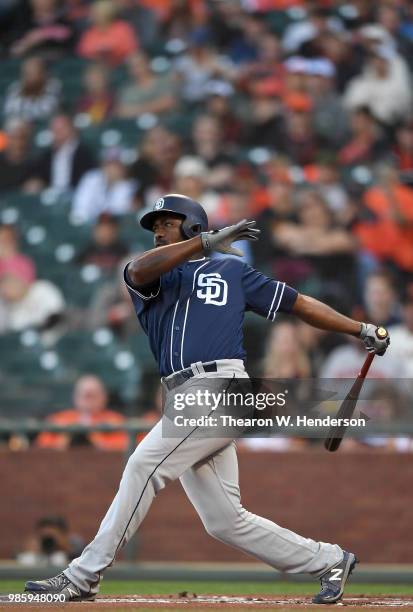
59 585
334 580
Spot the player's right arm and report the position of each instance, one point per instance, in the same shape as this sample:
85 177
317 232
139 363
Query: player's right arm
148 267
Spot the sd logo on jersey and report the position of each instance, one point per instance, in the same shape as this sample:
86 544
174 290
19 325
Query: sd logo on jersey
214 289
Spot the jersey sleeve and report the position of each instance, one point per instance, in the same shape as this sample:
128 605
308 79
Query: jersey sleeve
143 294
266 296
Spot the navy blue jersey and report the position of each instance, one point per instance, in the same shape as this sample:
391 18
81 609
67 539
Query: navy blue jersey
195 312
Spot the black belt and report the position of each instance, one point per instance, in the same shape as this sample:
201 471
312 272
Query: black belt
180 377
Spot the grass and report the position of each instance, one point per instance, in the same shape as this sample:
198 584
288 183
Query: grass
131 587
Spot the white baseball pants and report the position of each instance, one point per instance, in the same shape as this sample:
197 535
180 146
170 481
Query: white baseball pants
208 470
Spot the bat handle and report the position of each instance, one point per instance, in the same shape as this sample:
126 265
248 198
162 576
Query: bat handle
381 333
366 365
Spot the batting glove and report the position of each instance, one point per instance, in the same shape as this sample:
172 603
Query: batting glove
221 240
376 339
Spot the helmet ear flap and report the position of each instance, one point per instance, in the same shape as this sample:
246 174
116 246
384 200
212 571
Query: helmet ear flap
190 230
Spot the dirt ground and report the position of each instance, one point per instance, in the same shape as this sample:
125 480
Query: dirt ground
190 601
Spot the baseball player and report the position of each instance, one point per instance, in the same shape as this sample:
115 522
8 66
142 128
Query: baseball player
191 307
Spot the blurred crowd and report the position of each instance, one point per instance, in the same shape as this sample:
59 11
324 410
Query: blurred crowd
296 113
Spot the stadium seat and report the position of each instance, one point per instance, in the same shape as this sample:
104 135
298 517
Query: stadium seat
132 233
138 345
83 282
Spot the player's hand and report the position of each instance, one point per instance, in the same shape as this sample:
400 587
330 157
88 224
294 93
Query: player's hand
221 240
376 339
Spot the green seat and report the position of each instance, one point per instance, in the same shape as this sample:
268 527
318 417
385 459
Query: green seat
132 233
88 345
69 69
82 283
35 366
138 345
19 350
119 370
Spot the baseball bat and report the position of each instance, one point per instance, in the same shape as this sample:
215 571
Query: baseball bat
346 410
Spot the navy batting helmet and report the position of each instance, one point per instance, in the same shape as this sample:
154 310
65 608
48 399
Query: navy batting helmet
195 219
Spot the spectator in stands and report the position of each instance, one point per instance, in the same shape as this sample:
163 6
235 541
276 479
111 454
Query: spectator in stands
321 245
106 249
384 86
284 356
191 175
402 336
44 29
64 164
25 302
395 21
51 543
36 96
90 407
143 20
154 168
331 187
275 204
296 75
303 35
111 306
338 47
208 144
330 118
380 298
232 206
104 190
15 159
147 92
386 403
179 17
239 32
265 66
345 362
98 99
388 235
263 116
190 178
108 39
12 261
220 105
403 147
200 65
365 143
298 139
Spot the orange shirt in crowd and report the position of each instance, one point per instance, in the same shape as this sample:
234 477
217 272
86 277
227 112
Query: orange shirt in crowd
112 44
112 441
279 5
164 8
383 236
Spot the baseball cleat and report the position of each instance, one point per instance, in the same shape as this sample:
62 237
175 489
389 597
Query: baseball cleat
334 580
58 585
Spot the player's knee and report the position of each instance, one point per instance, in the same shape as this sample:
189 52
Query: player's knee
219 528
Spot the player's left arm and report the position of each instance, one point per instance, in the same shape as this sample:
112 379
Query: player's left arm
320 315
267 297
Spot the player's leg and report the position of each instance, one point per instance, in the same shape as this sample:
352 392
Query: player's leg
213 489
156 461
